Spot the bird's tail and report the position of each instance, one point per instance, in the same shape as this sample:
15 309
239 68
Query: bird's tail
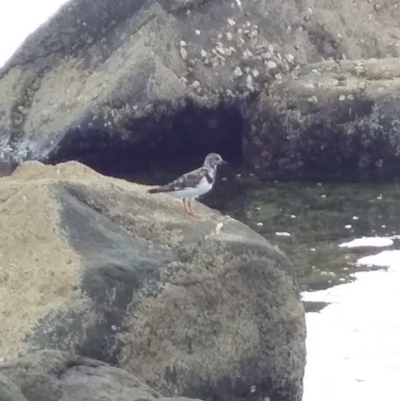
155 190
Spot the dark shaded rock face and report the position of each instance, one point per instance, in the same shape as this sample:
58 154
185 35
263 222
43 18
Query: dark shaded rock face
203 308
56 376
128 85
341 118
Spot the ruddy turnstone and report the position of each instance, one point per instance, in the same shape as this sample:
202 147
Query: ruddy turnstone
193 184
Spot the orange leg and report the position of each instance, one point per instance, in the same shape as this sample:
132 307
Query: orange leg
185 206
191 209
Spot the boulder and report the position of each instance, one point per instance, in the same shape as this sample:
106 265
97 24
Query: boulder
60 376
126 84
340 117
201 307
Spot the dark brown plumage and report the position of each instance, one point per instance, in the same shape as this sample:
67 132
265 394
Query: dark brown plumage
193 184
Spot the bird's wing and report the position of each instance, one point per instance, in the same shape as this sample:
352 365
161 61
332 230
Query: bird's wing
190 179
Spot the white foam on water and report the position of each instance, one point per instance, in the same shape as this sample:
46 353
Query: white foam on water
353 344
283 234
383 259
368 242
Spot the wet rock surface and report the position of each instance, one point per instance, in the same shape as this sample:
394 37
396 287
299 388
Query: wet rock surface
340 117
139 83
204 307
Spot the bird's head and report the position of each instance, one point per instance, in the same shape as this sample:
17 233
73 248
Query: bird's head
213 160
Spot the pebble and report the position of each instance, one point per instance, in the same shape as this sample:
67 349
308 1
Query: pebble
220 49
231 22
342 98
183 53
247 54
196 84
249 82
347 227
182 43
323 196
203 54
293 216
237 72
259 224
266 55
255 73
271 65
229 36
253 34
290 58
355 218
197 32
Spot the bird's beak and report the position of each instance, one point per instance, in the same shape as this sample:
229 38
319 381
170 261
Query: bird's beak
224 162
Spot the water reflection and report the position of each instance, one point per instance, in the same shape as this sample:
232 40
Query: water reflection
308 221
335 234
353 347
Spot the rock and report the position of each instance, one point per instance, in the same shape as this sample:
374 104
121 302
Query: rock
60 376
271 65
99 58
183 52
196 84
96 266
341 111
9 391
237 72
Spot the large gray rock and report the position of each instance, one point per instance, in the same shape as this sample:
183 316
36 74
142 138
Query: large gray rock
59 376
338 117
199 307
146 79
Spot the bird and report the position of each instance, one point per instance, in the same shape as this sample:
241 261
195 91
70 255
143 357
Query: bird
193 184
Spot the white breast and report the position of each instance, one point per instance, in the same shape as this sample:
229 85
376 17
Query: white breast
193 193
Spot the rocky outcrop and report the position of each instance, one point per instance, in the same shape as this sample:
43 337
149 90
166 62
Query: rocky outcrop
200 307
140 82
59 376
340 117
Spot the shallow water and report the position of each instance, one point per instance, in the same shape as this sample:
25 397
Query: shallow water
309 221
344 239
